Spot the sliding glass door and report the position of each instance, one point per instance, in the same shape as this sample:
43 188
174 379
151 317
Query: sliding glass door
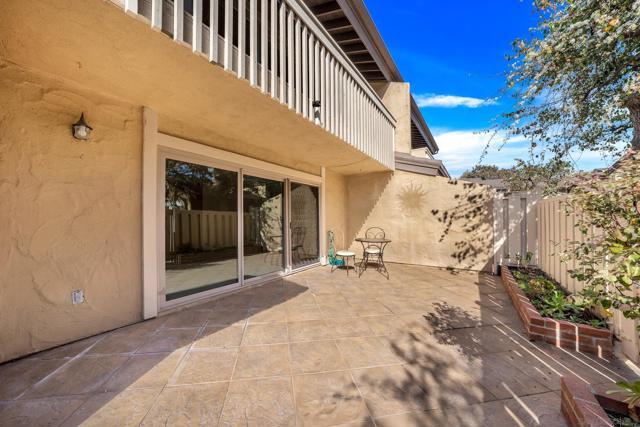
305 248
264 235
225 227
201 228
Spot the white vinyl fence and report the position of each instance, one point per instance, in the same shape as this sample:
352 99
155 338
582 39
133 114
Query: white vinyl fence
515 227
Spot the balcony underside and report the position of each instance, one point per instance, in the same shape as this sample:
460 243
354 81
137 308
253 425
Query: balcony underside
93 43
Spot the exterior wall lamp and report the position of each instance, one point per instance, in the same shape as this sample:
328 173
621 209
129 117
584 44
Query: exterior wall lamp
316 112
80 129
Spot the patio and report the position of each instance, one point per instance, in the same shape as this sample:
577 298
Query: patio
429 347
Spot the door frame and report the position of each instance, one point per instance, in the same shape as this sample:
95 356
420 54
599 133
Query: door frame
156 146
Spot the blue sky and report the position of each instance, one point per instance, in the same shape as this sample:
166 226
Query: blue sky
453 54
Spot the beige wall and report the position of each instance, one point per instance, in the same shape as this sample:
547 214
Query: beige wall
432 221
70 213
396 96
336 207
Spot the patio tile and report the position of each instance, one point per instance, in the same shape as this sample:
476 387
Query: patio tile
267 333
67 351
298 313
391 390
367 351
192 405
188 318
267 315
168 340
370 308
478 340
328 399
228 316
201 366
262 361
38 412
20 375
310 330
125 408
504 380
219 336
316 356
145 371
79 376
330 311
259 403
117 343
239 300
344 328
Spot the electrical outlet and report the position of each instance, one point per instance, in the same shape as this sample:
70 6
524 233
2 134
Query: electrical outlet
77 296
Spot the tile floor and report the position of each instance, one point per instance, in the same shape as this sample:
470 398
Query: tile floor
428 347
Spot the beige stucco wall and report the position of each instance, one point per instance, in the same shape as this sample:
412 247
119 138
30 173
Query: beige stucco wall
396 96
70 213
95 44
336 207
432 221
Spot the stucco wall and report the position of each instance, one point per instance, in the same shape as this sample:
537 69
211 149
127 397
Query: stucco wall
70 213
336 207
396 96
432 221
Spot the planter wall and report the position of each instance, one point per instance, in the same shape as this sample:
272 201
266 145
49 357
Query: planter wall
580 405
564 334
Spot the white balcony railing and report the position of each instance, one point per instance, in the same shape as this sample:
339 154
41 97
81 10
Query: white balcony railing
284 51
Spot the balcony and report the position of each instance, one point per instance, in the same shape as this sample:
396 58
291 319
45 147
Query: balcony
282 50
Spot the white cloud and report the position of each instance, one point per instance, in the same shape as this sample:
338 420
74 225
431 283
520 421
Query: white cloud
452 101
461 150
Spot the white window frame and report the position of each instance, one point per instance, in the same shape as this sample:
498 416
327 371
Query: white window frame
156 147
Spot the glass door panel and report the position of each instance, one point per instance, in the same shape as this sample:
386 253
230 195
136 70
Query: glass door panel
304 225
201 228
263 206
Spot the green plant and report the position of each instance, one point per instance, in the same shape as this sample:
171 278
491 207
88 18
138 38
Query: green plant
608 260
632 389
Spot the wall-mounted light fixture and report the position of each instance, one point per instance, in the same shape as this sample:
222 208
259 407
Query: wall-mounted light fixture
81 130
316 112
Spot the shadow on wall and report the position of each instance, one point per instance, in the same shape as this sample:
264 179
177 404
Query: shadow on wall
471 215
431 221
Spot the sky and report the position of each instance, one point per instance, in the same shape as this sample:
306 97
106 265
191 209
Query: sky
453 55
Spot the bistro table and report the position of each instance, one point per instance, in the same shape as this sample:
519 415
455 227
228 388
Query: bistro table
372 246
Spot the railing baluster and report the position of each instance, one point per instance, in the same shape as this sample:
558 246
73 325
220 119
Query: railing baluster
242 8
312 75
228 35
297 68
178 20
283 43
324 104
213 31
196 37
290 64
253 42
305 72
131 7
274 47
264 49
156 14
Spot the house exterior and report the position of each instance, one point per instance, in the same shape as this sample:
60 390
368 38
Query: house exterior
228 137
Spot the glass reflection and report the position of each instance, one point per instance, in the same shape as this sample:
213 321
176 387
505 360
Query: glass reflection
201 228
263 226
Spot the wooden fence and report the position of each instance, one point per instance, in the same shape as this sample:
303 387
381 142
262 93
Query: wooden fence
205 229
556 230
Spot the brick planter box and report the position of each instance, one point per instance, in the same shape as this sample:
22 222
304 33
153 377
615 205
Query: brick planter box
580 405
584 405
564 334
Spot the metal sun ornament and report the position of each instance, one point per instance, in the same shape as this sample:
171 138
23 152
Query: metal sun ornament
81 130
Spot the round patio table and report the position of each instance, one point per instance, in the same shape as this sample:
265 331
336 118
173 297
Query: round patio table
380 244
